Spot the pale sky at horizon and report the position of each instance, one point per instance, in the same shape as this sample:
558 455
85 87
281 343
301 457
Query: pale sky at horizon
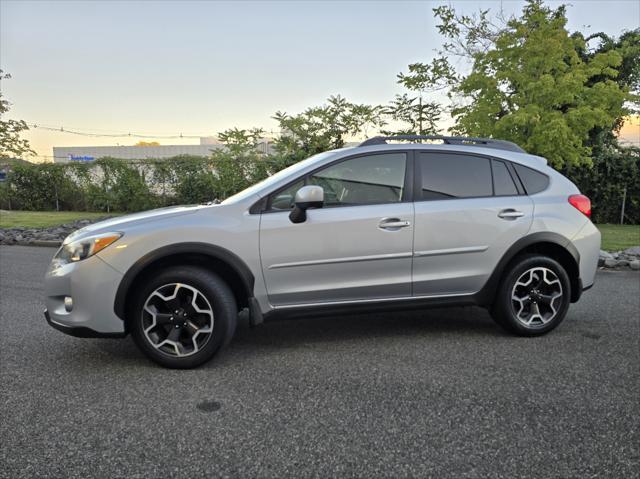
199 67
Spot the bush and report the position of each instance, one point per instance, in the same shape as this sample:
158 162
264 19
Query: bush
111 184
604 183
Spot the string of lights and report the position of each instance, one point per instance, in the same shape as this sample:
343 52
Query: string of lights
97 134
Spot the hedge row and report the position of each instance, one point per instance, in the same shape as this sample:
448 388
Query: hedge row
111 184
614 177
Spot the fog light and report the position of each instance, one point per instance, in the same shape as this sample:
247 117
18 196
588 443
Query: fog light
68 303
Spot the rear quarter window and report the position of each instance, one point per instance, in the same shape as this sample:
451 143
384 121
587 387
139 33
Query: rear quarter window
532 180
503 184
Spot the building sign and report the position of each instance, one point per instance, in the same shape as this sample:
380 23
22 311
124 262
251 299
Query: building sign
81 158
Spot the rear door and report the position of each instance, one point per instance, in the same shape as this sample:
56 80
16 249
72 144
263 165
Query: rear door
357 247
468 212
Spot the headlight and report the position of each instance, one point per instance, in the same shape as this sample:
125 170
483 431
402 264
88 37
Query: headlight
85 247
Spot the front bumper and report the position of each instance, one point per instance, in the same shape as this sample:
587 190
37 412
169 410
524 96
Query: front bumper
92 284
79 331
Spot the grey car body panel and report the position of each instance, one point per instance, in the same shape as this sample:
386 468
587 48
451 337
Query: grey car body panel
450 250
337 254
459 242
92 284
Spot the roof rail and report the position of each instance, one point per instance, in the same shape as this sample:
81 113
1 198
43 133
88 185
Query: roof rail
448 140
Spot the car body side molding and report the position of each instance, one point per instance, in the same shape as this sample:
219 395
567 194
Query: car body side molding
483 298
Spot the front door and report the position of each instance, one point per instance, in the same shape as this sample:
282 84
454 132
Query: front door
357 247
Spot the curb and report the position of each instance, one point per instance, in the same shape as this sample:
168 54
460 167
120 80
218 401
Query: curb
43 243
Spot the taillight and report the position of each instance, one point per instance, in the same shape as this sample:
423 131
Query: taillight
582 204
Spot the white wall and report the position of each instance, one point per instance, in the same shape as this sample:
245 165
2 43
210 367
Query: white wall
62 154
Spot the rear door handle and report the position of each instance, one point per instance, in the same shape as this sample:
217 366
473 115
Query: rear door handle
393 223
510 213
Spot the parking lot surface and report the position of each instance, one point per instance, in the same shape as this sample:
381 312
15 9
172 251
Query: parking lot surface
442 393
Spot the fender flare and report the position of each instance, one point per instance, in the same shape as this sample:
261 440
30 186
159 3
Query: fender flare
486 295
213 251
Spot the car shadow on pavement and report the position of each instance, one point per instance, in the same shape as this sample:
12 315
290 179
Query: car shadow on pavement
284 335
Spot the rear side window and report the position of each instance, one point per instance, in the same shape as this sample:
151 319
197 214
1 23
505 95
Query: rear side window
533 181
446 176
503 184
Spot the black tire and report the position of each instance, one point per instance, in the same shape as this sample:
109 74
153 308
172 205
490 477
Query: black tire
218 298
512 314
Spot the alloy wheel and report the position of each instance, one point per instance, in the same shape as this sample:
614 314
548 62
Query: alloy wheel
536 297
177 319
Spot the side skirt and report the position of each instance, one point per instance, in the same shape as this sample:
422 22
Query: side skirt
374 306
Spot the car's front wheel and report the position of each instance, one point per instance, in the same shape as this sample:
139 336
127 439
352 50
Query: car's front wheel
181 317
533 296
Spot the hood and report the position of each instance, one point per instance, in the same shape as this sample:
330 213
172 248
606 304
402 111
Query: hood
121 223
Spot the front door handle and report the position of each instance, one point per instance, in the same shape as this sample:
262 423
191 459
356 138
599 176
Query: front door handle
510 214
393 223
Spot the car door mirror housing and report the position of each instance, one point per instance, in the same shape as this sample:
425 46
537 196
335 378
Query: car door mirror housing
310 196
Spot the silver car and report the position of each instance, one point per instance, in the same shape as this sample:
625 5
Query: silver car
380 226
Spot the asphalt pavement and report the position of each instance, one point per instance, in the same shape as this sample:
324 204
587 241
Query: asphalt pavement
441 393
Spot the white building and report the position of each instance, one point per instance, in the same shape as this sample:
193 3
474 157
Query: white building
63 154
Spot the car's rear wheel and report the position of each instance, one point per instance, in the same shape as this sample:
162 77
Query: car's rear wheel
183 316
533 296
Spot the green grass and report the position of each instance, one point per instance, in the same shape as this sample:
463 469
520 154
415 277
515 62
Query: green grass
45 219
619 237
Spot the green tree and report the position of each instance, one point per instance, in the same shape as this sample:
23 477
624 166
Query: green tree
240 164
11 145
417 115
628 78
529 84
614 176
324 127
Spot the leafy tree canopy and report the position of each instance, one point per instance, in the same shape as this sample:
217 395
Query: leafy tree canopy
529 84
324 127
11 145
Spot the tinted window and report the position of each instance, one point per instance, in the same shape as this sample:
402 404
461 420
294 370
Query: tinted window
283 199
454 176
533 180
363 180
503 184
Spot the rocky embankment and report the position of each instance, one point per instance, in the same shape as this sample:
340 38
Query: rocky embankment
52 236
629 258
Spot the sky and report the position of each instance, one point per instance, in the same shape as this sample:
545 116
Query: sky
200 67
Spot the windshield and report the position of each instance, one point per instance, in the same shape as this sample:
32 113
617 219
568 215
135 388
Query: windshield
290 170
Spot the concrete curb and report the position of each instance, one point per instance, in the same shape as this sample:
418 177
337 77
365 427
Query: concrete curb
43 243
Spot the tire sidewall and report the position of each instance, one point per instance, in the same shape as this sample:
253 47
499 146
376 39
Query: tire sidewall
506 314
212 287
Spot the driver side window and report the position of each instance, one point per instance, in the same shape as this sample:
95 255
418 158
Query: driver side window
364 180
283 200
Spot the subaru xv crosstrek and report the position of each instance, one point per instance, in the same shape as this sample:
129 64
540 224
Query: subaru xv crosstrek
379 226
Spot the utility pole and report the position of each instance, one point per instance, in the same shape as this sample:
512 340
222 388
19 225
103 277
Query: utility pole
624 199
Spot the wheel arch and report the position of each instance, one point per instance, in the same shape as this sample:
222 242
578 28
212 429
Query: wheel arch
221 261
549 244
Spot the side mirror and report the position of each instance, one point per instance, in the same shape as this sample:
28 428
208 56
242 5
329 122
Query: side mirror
310 196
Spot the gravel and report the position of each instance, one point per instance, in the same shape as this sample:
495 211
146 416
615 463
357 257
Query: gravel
442 393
